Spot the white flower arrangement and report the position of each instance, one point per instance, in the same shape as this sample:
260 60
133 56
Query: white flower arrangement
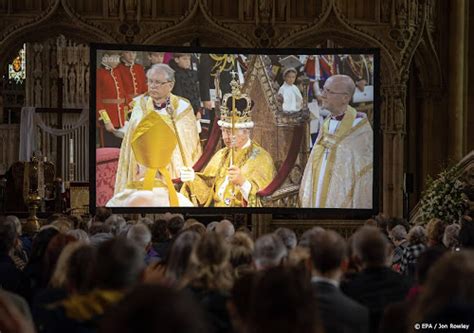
444 197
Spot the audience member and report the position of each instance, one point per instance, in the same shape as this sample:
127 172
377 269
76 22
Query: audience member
140 234
11 278
269 252
449 282
119 267
305 240
282 301
451 236
175 225
376 285
212 279
117 224
179 264
434 232
160 236
225 228
339 313
396 315
398 236
241 250
416 245
212 226
154 308
288 237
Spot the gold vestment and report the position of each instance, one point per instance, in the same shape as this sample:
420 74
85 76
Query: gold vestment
347 180
256 166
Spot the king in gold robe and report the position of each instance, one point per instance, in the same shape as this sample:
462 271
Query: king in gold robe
339 171
129 171
212 187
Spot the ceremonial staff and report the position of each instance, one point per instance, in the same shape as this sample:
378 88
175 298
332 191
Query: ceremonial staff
171 113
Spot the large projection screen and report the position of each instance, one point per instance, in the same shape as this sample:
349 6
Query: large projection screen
235 130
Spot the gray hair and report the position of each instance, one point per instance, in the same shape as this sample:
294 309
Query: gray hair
307 236
163 69
116 223
212 226
139 234
269 252
16 222
417 235
287 236
451 234
79 234
398 233
225 228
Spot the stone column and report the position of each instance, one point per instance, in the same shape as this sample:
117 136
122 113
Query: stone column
393 135
456 79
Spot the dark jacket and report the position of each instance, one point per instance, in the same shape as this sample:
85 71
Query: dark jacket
339 313
12 279
186 85
375 288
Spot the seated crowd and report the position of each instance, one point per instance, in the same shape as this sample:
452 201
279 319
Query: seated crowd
114 274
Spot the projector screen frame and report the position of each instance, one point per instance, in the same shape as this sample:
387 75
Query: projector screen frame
319 213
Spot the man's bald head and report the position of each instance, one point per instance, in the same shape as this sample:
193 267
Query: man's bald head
344 82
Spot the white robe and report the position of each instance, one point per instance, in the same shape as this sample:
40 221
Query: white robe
292 98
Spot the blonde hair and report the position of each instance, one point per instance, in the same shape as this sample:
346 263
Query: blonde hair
59 277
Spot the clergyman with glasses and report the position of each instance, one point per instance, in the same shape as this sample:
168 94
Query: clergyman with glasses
339 171
176 112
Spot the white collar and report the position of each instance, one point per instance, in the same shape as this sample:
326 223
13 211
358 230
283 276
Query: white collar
315 278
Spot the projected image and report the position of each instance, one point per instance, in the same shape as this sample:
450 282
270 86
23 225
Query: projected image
234 130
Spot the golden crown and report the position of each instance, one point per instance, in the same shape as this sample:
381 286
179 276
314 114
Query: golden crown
236 104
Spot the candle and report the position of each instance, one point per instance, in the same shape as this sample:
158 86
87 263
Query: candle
71 151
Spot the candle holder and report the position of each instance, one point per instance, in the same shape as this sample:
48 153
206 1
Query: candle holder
32 224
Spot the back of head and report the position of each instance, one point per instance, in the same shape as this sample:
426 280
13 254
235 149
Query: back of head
449 279
198 228
155 308
175 224
417 235
451 236
212 250
79 234
371 246
180 254
306 237
269 251
16 221
159 231
53 251
80 269
328 250
8 236
213 271
435 231
40 244
140 235
241 249
282 301
211 227
225 228
116 223
99 228
102 214
119 264
288 237
398 233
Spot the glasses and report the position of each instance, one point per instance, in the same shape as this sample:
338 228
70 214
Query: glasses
329 92
157 83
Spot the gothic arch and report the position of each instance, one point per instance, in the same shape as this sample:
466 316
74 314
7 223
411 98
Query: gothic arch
199 24
44 29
